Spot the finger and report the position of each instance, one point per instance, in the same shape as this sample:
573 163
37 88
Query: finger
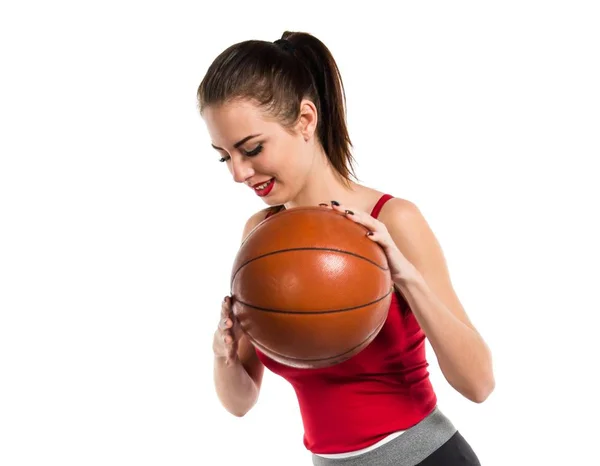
335 205
358 216
376 230
231 353
349 212
227 337
225 323
375 236
381 236
366 220
236 329
226 307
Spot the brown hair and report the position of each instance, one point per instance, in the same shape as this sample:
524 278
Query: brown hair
278 75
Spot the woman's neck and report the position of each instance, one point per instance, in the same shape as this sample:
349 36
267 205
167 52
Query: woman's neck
323 185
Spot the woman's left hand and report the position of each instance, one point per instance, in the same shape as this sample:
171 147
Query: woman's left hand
400 266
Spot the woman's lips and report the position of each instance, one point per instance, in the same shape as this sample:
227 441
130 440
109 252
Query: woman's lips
263 191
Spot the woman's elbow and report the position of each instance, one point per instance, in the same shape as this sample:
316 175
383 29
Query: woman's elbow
482 390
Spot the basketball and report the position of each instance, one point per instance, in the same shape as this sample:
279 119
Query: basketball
309 288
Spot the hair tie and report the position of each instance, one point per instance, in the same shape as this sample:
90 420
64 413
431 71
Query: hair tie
285 45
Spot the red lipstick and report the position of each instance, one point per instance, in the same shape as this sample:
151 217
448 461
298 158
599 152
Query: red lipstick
266 190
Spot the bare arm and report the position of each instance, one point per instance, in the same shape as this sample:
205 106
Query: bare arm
237 371
463 355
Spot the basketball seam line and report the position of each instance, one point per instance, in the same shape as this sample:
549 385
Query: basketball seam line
377 329
307 249
329 311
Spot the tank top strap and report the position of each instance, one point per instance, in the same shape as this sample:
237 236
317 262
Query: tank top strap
273 211
382 200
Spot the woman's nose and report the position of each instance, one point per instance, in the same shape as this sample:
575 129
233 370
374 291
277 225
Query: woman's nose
241 170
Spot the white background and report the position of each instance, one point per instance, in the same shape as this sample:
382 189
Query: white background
119 225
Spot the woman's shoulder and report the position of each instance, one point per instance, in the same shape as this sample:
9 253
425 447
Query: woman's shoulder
254 220
404 220
387 204
400 213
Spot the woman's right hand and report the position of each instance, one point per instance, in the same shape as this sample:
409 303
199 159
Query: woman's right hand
227 335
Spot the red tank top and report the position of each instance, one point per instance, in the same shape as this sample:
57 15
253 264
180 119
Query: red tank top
382 389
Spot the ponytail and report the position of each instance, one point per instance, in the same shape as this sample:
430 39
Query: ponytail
278 75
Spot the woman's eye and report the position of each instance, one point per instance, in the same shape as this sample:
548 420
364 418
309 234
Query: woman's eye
254 152
251 153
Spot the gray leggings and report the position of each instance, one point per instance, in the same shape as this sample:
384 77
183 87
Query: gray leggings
433 441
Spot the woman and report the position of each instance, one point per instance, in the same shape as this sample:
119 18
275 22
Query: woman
276 115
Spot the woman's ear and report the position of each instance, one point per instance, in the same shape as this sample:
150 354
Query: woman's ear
307 123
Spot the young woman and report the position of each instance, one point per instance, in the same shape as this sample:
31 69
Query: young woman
276 115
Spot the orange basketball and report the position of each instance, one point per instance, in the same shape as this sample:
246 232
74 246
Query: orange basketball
309 288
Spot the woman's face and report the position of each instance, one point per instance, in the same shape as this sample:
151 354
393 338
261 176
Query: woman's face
259 152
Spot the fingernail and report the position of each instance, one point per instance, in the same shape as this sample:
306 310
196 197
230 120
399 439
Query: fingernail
323 205
335 203
349 212
370 233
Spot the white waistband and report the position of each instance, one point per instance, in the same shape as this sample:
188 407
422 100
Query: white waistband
348 454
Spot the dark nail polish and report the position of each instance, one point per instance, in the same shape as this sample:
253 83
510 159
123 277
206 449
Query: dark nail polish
323 205
370 233
335 203
349 212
